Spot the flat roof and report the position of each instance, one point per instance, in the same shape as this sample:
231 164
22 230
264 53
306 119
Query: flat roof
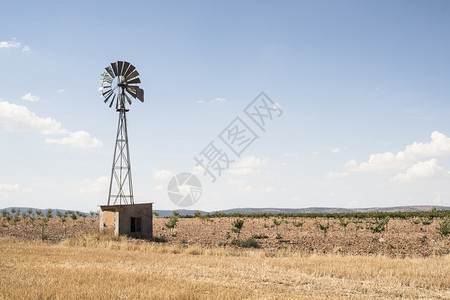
118 206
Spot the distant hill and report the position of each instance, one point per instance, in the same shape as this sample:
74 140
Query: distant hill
329 210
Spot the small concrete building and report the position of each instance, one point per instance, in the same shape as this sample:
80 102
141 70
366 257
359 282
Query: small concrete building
134 220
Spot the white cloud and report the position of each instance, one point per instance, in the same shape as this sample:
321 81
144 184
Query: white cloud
95 186
19 118
422 170
30 97
11 44
276 105
79 139
248 165
251 162
388 161
60 91
162 174
334 150
196 170
5 187
334 175
406 160
268 189
351 165
439 145
315 153
217 100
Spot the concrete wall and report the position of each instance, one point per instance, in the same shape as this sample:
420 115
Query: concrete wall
108 221
117 219
143 211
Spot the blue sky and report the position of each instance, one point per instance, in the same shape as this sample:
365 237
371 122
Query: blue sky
363 87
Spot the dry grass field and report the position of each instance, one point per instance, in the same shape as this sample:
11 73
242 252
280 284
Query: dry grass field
102 267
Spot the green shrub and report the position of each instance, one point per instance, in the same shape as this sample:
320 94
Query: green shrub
236 242
251 243
444 227
427 221
221 244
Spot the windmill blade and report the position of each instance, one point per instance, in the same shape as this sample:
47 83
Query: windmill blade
125 67
112 100
104 87
140 94
132 93
132 75
108 96
106 77
134 87
110 71
104 93
102 81
130 69
117 103
114 66
119 68
136 80
128 98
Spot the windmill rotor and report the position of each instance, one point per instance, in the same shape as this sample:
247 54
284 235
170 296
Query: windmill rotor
119 84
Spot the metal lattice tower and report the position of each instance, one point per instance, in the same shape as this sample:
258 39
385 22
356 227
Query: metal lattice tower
119 85
121 168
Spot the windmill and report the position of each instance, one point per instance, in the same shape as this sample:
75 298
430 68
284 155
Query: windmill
119 84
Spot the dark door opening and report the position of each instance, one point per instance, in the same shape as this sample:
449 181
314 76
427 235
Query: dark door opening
135 224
